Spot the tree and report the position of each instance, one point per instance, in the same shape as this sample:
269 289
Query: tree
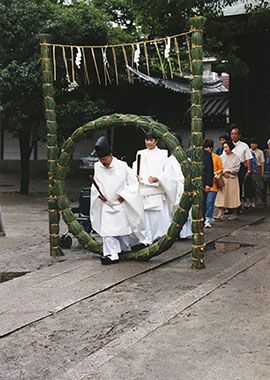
120 12
225 38
21 22
171 16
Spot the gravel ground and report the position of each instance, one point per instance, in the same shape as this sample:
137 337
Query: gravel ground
26 244
44 349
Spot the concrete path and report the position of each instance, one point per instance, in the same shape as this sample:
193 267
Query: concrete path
229 340
138 317
185 338
42 293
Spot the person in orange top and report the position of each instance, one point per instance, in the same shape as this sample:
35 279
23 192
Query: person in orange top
211 196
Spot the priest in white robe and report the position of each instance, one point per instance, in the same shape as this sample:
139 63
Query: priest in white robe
116 211
149 165
173 181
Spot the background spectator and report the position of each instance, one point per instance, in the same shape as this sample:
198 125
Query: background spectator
207 176
222 140
241 149
211 195
266 172
229 196
259 174
250 189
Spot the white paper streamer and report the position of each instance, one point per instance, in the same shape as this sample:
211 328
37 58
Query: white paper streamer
72 86
105 59
167 48
137 55
78 59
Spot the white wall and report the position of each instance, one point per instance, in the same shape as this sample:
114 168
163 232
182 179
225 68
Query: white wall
11 148
84 148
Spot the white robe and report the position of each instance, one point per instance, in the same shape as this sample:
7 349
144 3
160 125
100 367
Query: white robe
173 181
112 218
157 216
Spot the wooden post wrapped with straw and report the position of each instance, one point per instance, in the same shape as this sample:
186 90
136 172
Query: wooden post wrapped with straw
197 24
52 146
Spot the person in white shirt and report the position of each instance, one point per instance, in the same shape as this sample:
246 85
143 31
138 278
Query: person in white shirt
241 149
149 166
116 211
259 155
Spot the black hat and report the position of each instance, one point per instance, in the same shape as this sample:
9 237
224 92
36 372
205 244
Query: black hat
150 135
102 147
179 137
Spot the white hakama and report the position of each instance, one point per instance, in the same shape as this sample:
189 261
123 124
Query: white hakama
157 222
112 245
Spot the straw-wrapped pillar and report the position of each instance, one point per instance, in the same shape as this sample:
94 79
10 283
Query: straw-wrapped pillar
197 24
52 145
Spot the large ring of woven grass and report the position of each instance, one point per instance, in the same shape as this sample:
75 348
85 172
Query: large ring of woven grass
147 124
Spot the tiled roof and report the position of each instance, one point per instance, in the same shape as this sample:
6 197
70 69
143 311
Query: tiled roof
215 94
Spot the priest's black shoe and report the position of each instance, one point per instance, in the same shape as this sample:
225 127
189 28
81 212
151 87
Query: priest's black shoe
106 260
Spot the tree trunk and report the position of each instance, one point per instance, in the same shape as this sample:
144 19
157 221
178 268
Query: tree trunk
24 141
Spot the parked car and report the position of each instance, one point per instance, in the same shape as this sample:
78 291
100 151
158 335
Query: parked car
86 164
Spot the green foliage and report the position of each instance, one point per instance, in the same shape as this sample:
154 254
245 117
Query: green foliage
234 40
21 90
81 23
74 113
120 12
171 16
21 22
223 37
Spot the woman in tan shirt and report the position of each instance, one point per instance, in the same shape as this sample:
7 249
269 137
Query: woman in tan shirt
229 197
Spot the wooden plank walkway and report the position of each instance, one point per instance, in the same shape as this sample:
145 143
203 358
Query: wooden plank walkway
39 294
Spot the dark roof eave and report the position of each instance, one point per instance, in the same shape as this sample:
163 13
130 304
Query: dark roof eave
181 85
